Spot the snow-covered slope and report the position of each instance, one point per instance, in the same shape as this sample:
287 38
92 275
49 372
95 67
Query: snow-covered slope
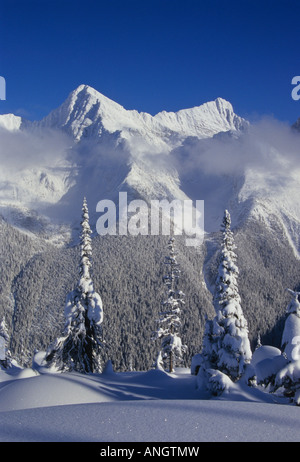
275 201
136 407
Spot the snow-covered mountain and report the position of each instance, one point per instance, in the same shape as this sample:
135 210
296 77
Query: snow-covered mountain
91 146
86 112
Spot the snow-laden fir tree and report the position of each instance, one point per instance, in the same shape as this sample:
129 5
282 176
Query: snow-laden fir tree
226 345
5 355
172 349
209 356
291 332
230 325
289 376
80 347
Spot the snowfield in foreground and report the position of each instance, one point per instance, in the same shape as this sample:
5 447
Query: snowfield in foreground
148 406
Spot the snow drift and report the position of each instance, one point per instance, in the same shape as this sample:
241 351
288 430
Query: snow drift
151 406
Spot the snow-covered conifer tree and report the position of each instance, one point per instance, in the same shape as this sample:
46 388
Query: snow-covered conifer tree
5 355
80 346
291 331
159 363
209 351
230 331
289 376
169 321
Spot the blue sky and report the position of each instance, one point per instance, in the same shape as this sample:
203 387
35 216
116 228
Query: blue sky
151 55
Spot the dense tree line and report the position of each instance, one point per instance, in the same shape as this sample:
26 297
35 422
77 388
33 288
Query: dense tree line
128 273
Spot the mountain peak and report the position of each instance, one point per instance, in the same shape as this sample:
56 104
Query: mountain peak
223 103
205 120
88 91
83 87
85 107
87 112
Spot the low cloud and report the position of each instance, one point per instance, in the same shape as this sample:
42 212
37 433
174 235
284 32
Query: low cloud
20 150
268 145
